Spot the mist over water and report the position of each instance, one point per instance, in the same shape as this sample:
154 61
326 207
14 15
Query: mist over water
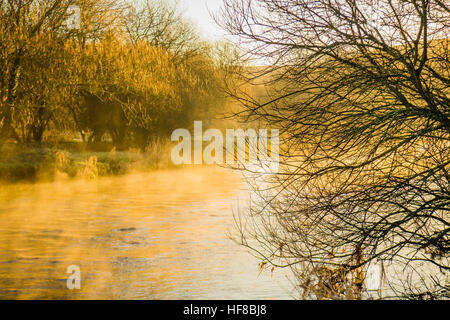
157 235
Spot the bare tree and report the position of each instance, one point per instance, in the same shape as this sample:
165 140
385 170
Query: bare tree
162 25
360 93
97 19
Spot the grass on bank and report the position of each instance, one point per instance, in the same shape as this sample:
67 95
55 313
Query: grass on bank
31 163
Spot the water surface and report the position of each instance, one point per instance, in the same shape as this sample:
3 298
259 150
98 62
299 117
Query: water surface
158 235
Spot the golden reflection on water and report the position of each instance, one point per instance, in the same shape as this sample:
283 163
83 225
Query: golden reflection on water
159 235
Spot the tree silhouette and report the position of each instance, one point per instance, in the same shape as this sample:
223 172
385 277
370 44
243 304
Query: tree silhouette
360 93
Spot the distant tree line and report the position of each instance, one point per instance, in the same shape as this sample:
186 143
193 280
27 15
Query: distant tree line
101 67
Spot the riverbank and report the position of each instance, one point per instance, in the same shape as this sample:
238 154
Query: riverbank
46 162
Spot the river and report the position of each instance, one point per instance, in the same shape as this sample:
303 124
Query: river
156 235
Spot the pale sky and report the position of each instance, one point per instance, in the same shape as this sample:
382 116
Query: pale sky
198 11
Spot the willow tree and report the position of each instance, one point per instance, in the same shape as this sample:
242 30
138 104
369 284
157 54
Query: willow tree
360 93
22 23
37 50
